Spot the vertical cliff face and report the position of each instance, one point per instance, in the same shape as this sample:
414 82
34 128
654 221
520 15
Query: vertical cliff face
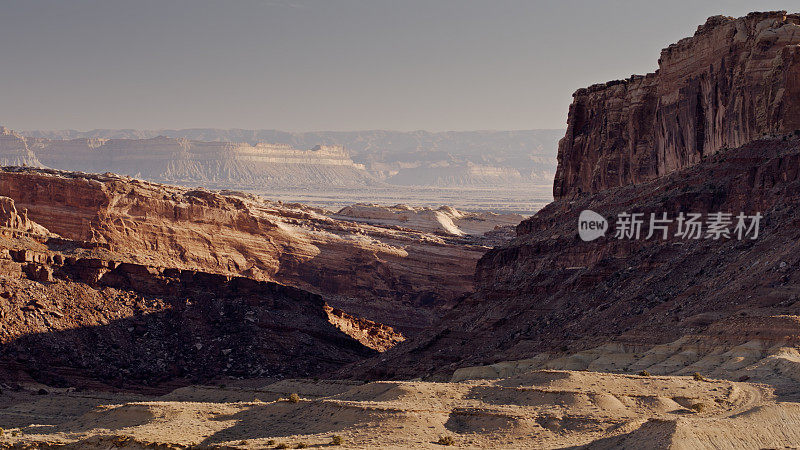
732 82
389 274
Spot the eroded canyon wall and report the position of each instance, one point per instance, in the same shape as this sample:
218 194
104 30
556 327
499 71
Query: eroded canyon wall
657 140
389 274
732 82
75 313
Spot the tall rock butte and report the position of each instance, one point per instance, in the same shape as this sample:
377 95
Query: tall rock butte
661 305
732 82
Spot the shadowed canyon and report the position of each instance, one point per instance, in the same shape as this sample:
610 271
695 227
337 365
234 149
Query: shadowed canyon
141 311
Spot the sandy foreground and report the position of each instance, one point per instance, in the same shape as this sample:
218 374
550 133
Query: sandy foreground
545 408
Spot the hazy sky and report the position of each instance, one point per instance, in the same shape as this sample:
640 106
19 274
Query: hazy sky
326 64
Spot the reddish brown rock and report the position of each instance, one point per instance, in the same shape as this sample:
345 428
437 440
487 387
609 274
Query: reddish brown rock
733 82
548 291
372 334
392 275
14 220
78 319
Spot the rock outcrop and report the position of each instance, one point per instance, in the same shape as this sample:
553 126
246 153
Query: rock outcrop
649 145
180 160
394 275
14 150
372 334
733 82
11 219
547 291
74 314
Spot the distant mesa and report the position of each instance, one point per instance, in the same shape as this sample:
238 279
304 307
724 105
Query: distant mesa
185 161
14 150
484 159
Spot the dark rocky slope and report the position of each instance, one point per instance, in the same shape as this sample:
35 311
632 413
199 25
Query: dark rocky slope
712 131
74 313
548 291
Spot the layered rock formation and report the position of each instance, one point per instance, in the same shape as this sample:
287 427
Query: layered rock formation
549 292
11 219
220 164
393 275
458 174
452 158
759 349
14 150
734 81
74 313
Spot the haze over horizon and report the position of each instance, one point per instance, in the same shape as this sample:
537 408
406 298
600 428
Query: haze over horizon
302 65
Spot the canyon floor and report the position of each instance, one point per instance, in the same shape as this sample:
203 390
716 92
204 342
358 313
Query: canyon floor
537 409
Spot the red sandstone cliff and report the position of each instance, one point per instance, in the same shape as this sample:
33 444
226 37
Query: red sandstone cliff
659 141
732 82
548 291
76 313
392 275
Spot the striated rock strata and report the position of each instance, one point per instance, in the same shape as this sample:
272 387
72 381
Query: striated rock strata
451 158
75 313
180 160
547 291
14 151
390 274
12 219
734 81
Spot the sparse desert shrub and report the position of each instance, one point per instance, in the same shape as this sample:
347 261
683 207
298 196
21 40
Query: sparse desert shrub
698 377
644 373
446 440
294 398
698 407
337 440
